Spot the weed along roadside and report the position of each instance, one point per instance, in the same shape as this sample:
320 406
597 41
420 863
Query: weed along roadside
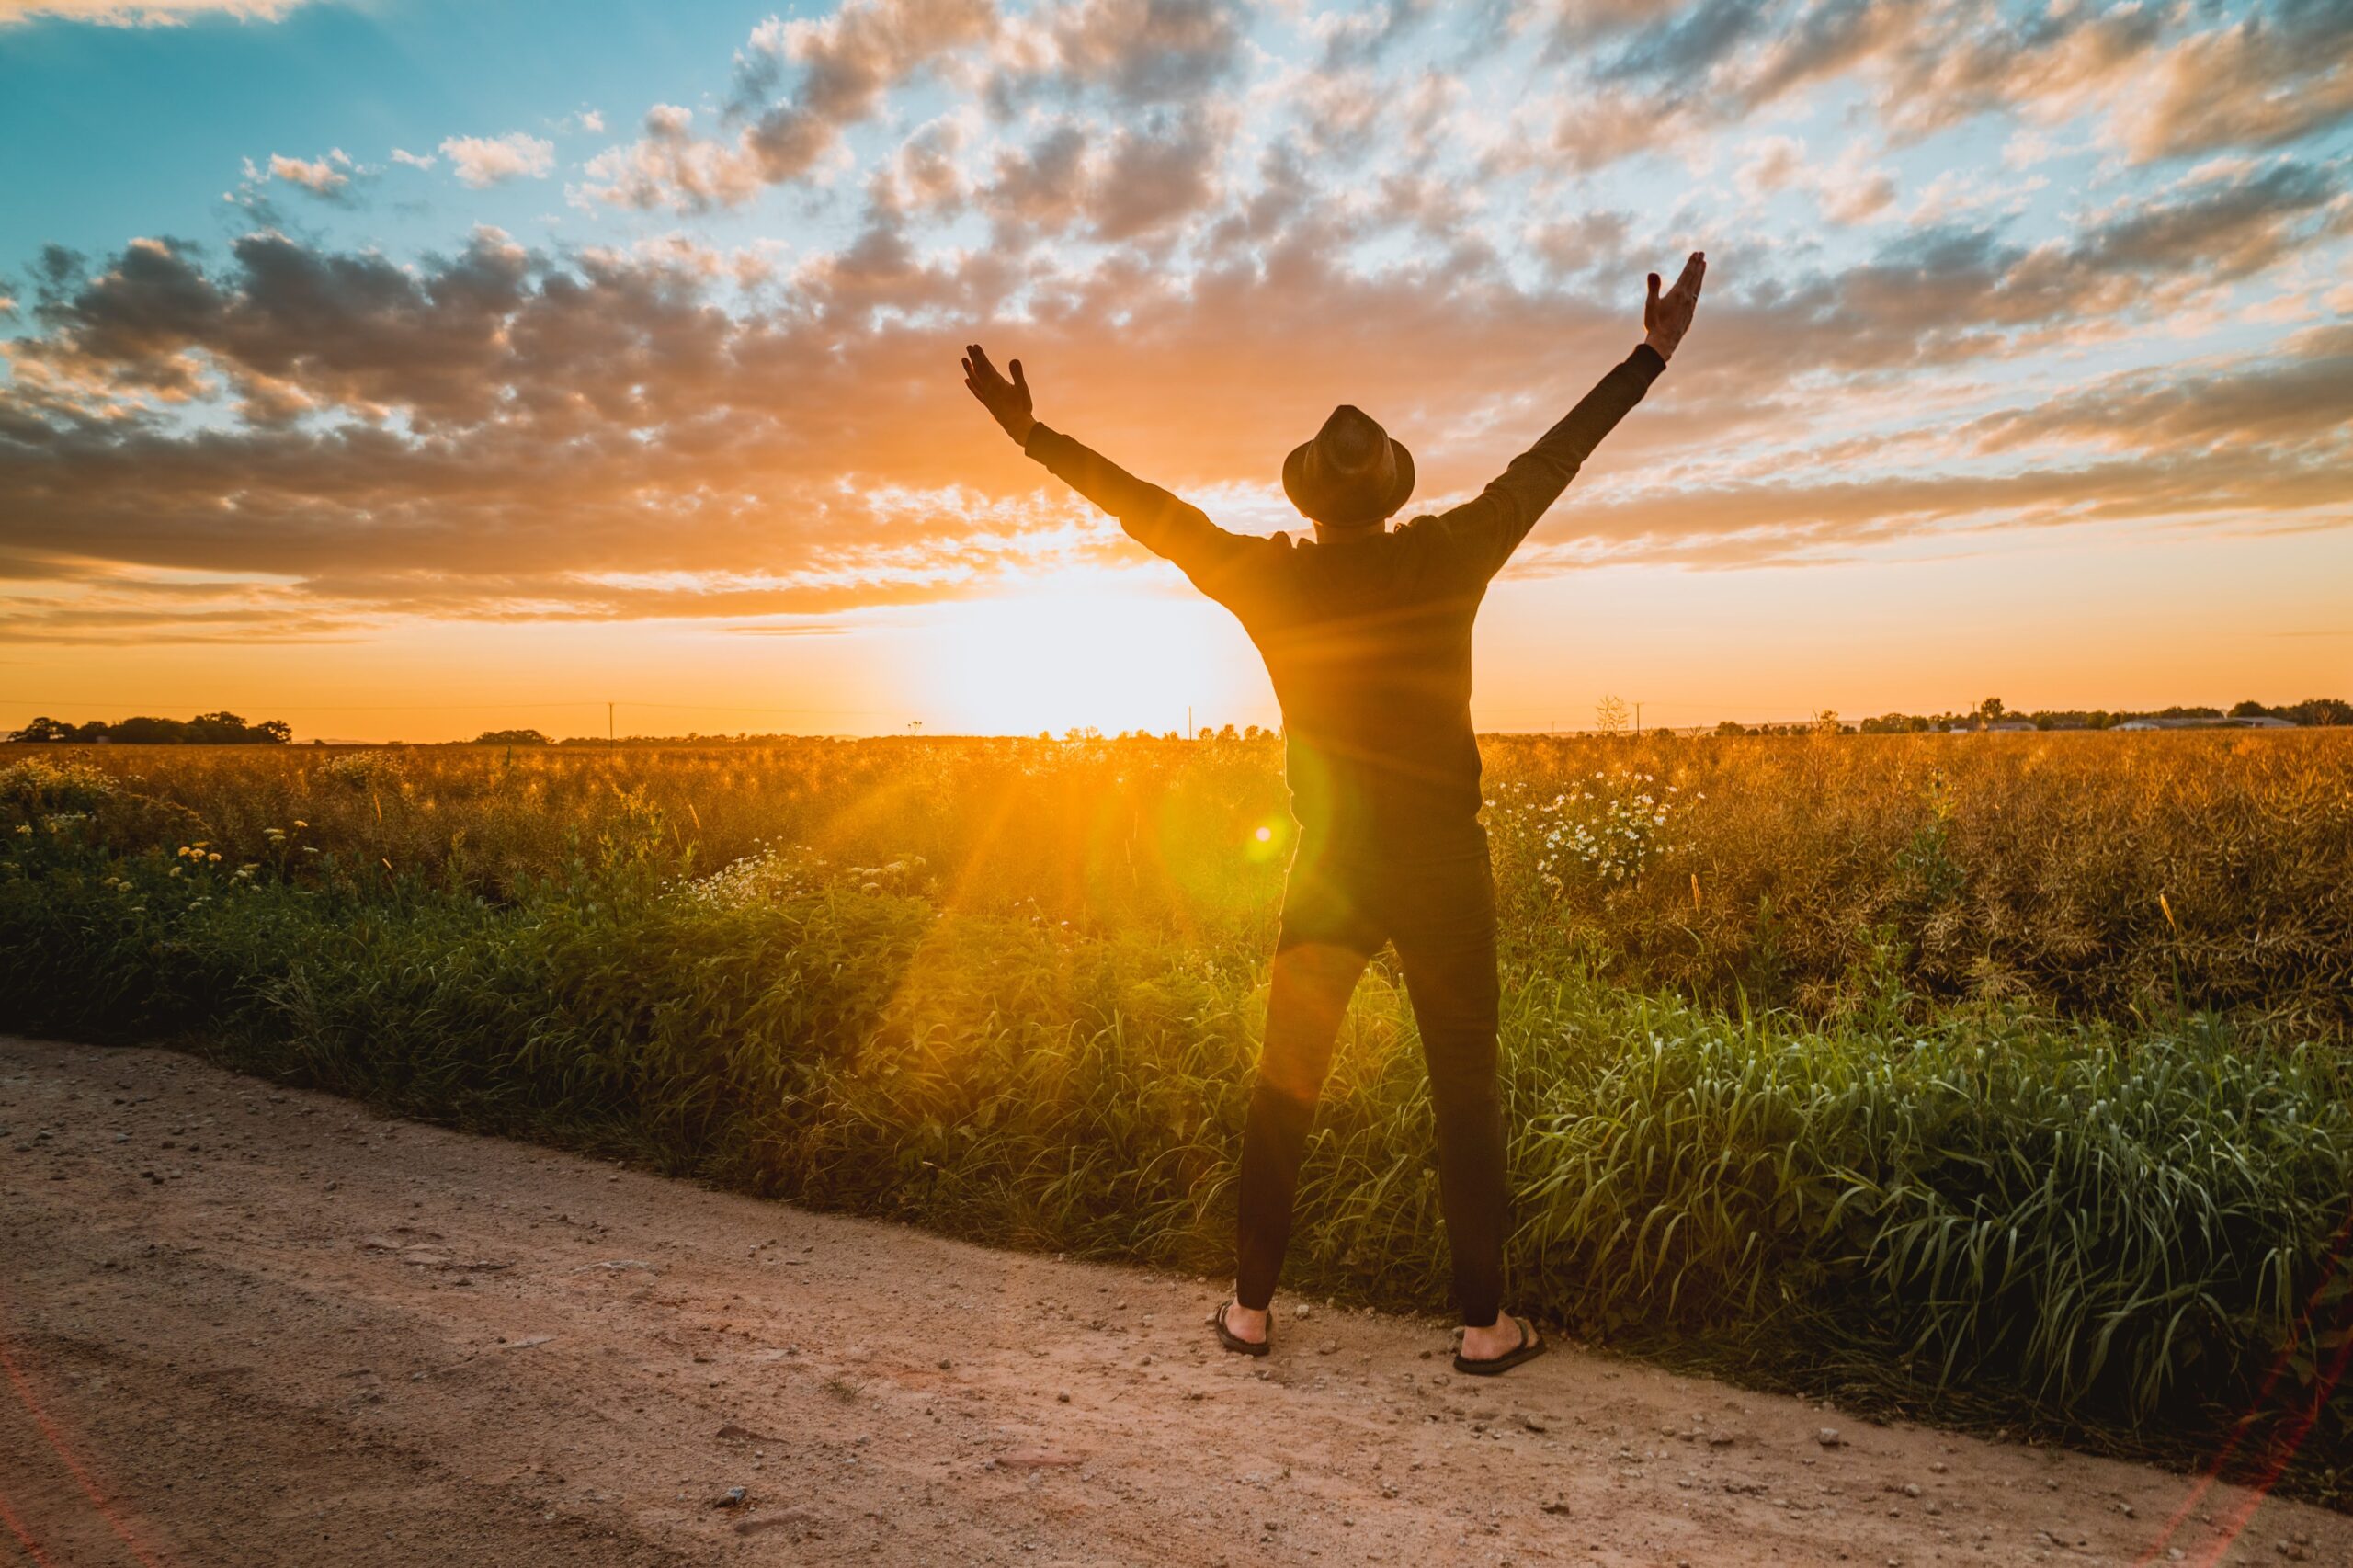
2106 1201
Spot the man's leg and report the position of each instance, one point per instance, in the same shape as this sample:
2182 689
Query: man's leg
1307 999
1445 934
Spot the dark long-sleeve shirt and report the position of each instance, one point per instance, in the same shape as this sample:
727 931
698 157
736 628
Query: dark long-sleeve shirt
1366 635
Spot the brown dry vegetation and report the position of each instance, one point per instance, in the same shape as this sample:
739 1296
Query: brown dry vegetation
2122 875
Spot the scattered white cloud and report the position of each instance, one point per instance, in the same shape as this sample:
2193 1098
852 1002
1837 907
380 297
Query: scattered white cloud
1848 188
840 67
321 177
414 160
480 161
668 165
140 13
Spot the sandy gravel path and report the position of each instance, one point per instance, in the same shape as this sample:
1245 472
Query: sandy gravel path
245 1325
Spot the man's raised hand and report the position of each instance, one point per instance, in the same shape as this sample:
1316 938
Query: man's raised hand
1666 317
1007 402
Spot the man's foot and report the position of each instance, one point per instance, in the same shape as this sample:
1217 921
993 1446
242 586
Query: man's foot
1499 1346
1245 1323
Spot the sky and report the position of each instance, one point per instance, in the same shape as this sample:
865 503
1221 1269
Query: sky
408 368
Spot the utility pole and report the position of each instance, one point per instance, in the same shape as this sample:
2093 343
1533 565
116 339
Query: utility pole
1189 721
1638 719
608 723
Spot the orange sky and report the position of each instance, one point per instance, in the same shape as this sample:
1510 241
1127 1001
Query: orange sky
2061 622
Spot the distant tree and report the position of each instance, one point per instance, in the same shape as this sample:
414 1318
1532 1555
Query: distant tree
44 729
1990 710
512 738
1228 734
2250 709
143 731
2321 710
1825 722
1731 727
221 729
204 729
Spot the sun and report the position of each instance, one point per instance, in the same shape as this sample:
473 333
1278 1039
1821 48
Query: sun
1082 650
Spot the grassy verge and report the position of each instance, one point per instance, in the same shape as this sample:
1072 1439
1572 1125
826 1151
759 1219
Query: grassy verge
2134 1234
2116 876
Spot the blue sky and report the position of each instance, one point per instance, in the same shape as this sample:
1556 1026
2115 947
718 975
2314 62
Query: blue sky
605 343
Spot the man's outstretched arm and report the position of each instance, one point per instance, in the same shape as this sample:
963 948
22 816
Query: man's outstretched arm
1489 528
1216 561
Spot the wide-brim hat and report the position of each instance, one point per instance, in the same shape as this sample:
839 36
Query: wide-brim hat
1351 473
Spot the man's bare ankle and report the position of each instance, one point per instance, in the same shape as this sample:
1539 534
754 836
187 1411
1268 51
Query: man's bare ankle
1493 1339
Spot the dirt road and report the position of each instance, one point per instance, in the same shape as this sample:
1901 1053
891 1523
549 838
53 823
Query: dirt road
243 1325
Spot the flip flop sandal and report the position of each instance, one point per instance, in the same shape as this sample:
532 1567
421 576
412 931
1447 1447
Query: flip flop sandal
1235 1342
1531 1345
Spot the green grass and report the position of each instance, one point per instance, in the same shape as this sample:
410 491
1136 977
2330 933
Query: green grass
2126 1230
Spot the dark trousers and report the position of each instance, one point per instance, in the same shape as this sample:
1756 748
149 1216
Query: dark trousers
1337 910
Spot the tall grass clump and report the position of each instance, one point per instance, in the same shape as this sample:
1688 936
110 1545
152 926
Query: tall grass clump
2090 1220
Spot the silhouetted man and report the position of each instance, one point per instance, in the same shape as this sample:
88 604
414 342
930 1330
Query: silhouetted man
1366 631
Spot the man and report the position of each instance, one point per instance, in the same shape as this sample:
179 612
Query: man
1366 631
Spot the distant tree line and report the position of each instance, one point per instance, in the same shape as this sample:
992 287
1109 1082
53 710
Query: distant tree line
222 729
1992 712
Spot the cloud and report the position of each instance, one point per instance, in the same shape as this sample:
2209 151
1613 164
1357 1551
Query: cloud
480 161
1848 191
2294 399
142 13
2261 81
327 177
1135 182
1364 38
1663 77
843 66
802 84
924 177
414 160
500 432
1139 51
670 166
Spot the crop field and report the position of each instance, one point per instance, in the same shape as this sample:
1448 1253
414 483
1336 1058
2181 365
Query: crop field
2002 1076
